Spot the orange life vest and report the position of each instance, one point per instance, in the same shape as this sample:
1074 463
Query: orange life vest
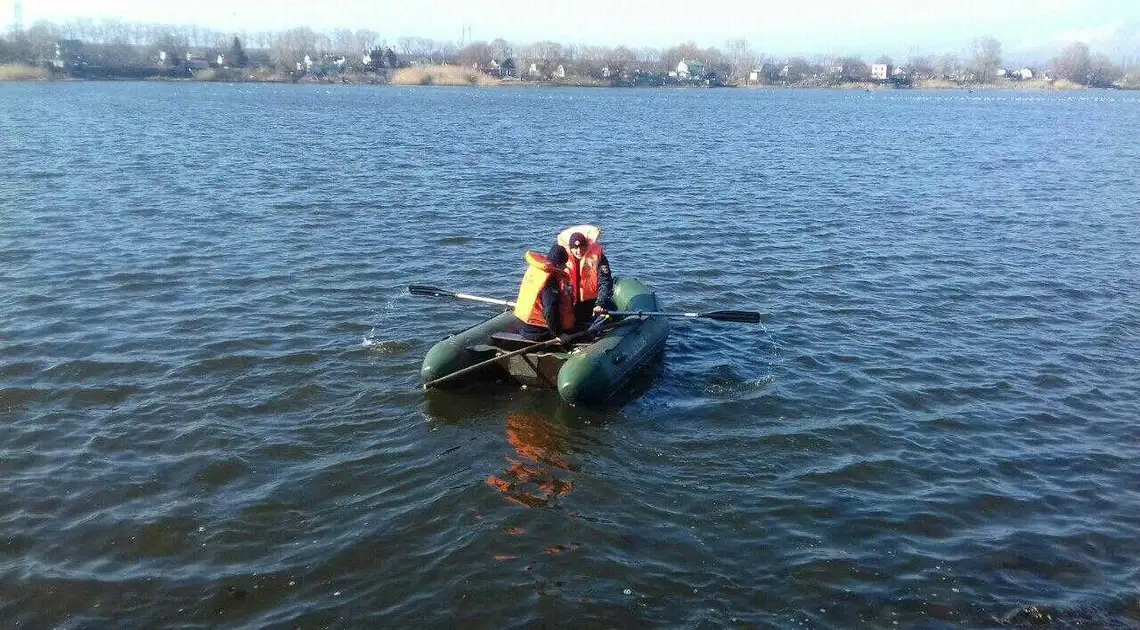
528 306
583 271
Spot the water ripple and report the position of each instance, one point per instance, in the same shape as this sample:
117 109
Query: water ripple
209 370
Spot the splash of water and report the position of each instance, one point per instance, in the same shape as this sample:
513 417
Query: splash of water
384 346
391 308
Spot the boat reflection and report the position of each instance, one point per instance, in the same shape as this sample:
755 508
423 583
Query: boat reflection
536 474
543 438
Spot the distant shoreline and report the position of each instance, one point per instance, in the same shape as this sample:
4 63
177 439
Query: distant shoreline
454 76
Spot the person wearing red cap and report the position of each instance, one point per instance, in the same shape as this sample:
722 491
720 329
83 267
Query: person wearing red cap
590 277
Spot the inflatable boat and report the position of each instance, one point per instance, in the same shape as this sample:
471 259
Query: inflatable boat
586 373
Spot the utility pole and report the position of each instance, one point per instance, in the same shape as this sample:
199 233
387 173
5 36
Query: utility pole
18 19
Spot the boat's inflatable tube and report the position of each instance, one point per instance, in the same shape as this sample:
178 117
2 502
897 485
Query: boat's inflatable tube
591 373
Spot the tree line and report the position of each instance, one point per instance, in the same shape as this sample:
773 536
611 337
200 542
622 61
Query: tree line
125 44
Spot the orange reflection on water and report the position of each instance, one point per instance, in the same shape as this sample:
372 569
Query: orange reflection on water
557 549
530 478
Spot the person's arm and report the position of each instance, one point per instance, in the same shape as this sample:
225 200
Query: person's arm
605 284
550 299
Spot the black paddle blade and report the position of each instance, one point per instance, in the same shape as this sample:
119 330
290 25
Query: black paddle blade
743 317
427 289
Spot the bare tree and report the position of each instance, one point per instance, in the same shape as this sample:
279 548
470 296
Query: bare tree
571 53
715 61
116 40
221 41
292 45
795 70
683 52
650 57
475 54
986 58
852 69
546 55
323 43
420 49
8 50
83 29
591 61
740 58
1103 72
1073 64
40 41
500 49
406 46
922 65
947 66
366 39
169 40
445 52
344 41
620 61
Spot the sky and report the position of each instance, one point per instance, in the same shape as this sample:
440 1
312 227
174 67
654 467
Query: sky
818 27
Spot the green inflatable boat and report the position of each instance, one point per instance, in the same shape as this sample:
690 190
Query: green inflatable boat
587 374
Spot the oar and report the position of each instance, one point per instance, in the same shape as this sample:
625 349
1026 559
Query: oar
743 317
595 327
428 290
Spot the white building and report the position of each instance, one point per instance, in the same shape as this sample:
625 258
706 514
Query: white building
880 71
690 69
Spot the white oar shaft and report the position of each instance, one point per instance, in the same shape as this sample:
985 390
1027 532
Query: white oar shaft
467 296
653 314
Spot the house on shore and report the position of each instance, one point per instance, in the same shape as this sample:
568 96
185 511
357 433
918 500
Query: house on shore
691 69
68 54
196 62
756 75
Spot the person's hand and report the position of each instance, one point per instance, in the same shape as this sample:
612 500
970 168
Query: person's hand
564 339
599 310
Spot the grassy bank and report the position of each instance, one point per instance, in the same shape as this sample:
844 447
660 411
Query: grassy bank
441 75
22 72
1000 84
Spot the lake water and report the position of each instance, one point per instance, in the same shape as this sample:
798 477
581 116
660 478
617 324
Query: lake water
209 403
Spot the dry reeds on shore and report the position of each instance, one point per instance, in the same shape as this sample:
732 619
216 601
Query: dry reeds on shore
22 72
935 84
441 75
999 84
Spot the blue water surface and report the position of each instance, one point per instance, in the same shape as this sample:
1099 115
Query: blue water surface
209 403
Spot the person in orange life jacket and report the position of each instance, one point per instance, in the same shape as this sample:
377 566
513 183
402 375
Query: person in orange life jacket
590 278
545 304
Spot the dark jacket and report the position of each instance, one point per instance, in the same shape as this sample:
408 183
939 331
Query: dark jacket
550 298
605 285
584 311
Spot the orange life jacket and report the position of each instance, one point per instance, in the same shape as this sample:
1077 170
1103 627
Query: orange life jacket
528 306
583 272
